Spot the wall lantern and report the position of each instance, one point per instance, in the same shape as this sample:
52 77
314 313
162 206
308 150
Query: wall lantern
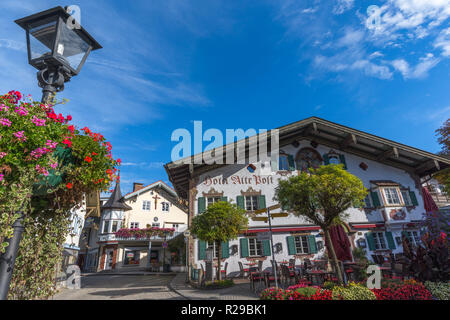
234 249
56 46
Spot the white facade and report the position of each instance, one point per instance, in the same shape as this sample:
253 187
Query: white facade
233 181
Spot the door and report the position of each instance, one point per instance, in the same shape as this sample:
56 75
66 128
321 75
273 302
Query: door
109 259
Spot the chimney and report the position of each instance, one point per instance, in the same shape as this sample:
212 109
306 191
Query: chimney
137 186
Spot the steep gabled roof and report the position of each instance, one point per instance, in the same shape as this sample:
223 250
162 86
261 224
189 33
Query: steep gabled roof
159 183
326 133
115 201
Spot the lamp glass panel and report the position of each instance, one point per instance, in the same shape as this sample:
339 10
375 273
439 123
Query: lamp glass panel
42 37
71 46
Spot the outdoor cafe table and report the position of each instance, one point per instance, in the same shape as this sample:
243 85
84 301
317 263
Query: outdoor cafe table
318 274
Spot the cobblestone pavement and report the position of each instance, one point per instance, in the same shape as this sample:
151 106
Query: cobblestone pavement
240 291
122 287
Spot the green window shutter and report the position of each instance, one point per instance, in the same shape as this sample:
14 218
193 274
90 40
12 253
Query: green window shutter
412 196
326 160
266 248
390 240
201 204
291 162
342 158
225 249
240 202
291 245
370 241
312 244
225 199
201 250
244 247
375 199
262 202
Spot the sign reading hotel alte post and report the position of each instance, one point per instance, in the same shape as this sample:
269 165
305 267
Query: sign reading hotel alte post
239 180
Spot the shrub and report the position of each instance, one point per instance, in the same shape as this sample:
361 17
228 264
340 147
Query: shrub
439 290
329 285
273 294
403 292
219 283
353 291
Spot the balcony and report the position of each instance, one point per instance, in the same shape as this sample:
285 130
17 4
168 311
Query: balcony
154 238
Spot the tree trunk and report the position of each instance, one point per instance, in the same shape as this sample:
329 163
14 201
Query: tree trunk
219 257
334 258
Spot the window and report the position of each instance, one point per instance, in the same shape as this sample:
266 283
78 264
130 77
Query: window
212 200
131 257
301 244
378 238
334 159
175 226
215 246
134 225
146 205
406 198
106 226
251 203
392 196
165 206
283 162
413 237
254 247
115 226
155 224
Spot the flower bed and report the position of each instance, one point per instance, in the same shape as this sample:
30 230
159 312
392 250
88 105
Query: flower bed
407 290
439 290
216 284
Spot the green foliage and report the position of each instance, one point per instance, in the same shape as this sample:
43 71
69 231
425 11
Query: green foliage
439 290
353 291
222 221
219 284
359 254
307 291
322 196
443 134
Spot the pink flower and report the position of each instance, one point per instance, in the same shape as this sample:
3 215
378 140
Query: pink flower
41 170
54 165
5 122
4 107
2 154
20 136
51 144
21 110
38 122
1 176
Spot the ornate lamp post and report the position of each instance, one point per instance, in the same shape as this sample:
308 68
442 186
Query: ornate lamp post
58 47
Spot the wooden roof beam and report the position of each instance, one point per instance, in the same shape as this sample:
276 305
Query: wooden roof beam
388 153
428 165
349 140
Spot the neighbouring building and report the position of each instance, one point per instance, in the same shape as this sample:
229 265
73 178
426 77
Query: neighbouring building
89 248
436 190
71 245
389 170
156 205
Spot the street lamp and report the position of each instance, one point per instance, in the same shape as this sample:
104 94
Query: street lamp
57 46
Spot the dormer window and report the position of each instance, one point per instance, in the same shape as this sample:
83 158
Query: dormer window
392 196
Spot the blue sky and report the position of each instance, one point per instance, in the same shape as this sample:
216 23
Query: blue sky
245 64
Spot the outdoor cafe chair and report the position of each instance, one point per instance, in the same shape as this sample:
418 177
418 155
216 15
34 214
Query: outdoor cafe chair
242 270
292 263
256 278
224 271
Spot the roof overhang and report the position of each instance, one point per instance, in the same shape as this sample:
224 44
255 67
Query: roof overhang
157 184
365 145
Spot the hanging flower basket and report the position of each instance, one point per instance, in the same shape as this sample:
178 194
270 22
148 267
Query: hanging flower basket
144 233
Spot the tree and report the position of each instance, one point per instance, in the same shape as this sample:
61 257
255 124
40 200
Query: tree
322 196
222 221
444 139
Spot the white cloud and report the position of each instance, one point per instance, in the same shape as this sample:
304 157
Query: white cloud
419 71
343 5
443 42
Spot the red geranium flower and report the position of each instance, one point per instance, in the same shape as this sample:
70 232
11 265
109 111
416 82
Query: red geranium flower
69 185
88 159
